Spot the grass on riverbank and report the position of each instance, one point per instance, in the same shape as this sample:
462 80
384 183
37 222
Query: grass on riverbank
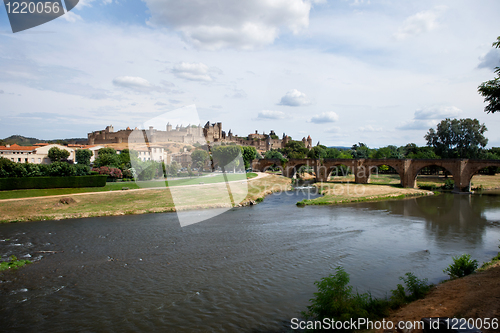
335 193
138 201
118 186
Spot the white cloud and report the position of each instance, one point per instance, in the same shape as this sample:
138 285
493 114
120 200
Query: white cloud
334 129
294 98
490 60
430 116
137 84
237 94
270 114
438 112
419 23
325 117
370 128
132 82
195 71
243 24
72 17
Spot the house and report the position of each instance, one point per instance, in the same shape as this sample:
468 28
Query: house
37 154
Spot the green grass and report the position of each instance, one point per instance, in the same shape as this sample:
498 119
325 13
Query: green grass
118 186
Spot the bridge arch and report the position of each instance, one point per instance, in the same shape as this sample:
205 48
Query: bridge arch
365 171
474 167
293 166
417 165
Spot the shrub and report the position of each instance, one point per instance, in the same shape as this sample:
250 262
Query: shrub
51 182
335 299
112 173
449 184
462 266
61 169
415 289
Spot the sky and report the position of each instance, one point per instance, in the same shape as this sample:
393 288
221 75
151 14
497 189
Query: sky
379 72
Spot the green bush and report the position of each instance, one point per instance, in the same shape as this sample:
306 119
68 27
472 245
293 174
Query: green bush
414 289
52 182
449 184
335 299
462 266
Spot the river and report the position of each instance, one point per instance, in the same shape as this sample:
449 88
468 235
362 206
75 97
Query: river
250 269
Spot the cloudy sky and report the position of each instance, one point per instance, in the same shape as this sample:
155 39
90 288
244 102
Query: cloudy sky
376 71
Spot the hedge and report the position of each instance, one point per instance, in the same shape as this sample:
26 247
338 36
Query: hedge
52 182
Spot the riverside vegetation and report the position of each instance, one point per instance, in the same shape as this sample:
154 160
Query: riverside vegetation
336 299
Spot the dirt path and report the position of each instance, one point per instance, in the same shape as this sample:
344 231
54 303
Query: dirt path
474 296
259 176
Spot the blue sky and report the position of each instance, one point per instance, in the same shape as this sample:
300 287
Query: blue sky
380 72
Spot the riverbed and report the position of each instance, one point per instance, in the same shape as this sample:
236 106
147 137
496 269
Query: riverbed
249 269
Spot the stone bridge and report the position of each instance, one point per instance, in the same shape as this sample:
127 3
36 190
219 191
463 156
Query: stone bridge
462 170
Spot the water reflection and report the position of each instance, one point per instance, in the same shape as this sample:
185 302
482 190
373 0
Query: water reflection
447 217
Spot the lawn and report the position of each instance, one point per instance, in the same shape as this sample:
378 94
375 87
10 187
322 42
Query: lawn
118 186
142 201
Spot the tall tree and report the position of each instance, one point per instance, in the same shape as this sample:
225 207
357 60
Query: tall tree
199 157
83 156
457 138
248 154
55 154
490 90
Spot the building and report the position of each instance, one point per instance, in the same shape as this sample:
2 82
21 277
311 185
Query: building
189 134
37 154
151 153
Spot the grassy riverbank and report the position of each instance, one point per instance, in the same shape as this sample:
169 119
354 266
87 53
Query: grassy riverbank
118 186
473 296
134 201
336 193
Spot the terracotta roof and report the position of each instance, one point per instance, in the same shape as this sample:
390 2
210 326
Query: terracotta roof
81 146
17 147
41 144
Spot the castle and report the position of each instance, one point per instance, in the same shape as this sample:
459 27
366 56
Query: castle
210 133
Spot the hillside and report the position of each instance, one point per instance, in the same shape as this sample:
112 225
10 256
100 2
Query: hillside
25 141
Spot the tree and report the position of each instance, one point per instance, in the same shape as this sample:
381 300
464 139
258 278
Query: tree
107 157
55 154
457 138
295 149
273 154
317 152
107 151
83 156
248 154
225 155
490 90
199 157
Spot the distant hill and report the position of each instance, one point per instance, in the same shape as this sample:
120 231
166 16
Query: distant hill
24 141
340 147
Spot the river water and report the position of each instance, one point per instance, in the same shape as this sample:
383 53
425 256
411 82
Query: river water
250 269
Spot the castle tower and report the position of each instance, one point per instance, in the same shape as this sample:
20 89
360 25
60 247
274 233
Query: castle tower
309 142
169 127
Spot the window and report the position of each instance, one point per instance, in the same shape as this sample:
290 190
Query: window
19 160
32 160
39 160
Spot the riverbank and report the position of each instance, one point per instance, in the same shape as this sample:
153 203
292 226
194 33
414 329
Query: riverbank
337 193
134 201
474 296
